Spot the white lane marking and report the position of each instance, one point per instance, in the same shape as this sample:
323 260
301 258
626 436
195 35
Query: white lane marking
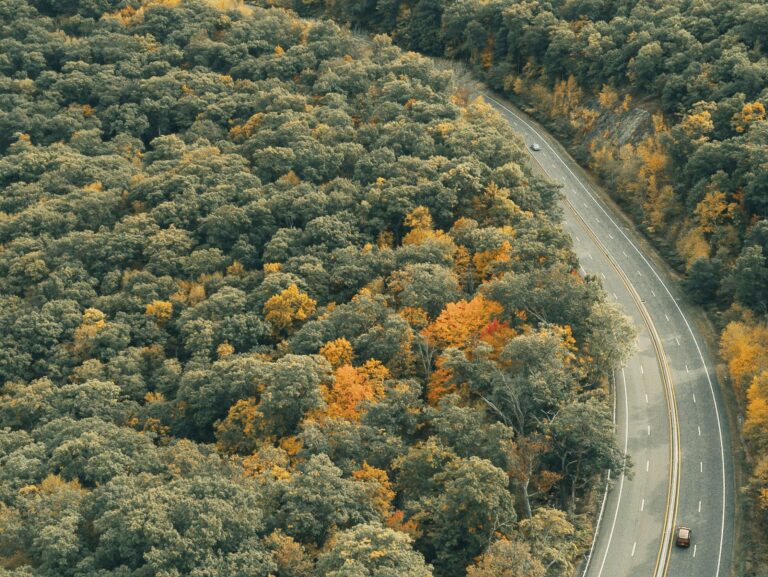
699 506
597 219
677 341
701 466
699 428
585 204
610 235
577 238
582 270
621 482
694 398
647 465
589 254
666 317
621 230
642 370
615 297
625 254
649 429
633 548
642 504
646 398
694 550
603 275
639 273
613 378
605 492
686 369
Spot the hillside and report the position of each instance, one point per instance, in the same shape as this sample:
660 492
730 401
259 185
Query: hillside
666 103
275 302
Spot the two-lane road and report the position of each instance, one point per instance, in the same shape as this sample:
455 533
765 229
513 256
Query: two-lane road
669 413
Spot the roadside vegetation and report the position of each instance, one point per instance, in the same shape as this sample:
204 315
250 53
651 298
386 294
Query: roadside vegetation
274 302
666 103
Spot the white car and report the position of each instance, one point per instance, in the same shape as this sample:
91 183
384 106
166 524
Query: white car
535 147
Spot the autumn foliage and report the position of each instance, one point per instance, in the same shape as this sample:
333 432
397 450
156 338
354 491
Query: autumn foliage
288 309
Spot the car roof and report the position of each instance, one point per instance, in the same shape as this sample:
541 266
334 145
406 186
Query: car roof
684 531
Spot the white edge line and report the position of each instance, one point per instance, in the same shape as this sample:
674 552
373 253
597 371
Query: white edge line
621 482
677 306
607 486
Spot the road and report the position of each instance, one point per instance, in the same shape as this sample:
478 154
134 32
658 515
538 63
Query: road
669 413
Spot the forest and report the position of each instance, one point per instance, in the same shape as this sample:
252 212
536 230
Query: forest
695 180
277 301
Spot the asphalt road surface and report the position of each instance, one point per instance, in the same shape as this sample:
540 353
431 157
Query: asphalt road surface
669 414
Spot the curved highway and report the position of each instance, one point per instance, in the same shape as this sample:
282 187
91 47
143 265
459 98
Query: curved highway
669 414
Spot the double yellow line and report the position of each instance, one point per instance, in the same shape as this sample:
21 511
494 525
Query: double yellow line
673 482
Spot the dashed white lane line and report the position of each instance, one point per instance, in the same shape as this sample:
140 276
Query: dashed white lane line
633 548
642 370
666 317
625 254
642 504
699 428
686 369
615 297
639 273
589 255
694 550
677 341
582 270
647 465
653 293
577 239
694 398
603 275
610 235
699 506
701 466
649 429
646 398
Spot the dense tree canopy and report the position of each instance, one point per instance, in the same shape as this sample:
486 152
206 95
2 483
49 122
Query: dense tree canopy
664 101
275 302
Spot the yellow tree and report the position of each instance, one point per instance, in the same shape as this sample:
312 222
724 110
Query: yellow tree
161 311
608 98
756 423
378 487
489 263
749 113
461 323
422 231
289 308
698 124
505 558
94 321
744 346
338 352
713 211
352 386
239 431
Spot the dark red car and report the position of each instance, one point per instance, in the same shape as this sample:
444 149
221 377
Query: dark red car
683 537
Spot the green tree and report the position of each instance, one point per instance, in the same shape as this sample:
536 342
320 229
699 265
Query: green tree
472 505
371 551
748 280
